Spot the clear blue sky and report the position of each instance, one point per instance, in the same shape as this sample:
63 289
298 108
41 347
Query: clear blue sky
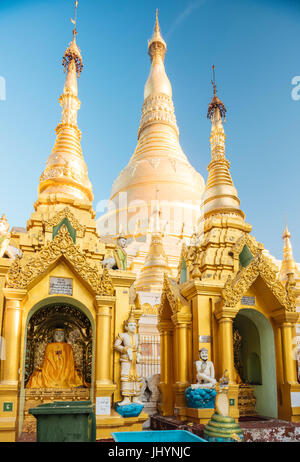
254 45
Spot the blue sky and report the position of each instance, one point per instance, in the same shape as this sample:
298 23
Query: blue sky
254 45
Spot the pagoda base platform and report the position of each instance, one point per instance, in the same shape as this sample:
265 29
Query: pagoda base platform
255 429
106 425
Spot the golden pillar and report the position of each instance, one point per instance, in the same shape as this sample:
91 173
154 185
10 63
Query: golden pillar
104 346
225 316
289 387
166 329
286 322
225 321
10 366
12 325
289 364
183 325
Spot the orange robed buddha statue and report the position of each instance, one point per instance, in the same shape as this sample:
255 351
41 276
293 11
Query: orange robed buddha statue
58 368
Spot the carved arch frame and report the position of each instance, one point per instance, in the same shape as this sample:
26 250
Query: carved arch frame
57 219
23 273
236 287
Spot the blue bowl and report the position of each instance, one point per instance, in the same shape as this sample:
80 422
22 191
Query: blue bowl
130 410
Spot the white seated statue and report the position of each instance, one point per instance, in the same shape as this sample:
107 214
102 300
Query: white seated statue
205 371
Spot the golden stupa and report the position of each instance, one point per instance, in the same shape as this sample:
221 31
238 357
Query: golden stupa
158 162
66 171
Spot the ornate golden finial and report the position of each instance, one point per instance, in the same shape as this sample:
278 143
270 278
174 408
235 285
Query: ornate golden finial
216 102
73 53
286 234
157 45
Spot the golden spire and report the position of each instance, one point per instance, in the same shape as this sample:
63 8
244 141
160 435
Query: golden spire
220 194
288 265
65 178
158 82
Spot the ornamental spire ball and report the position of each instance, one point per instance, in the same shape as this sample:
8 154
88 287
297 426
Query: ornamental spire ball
216 102
73 53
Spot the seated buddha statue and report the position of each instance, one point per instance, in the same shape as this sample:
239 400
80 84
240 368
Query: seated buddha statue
58 368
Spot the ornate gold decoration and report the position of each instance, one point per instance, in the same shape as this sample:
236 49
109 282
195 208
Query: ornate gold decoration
250 242
179 305
158 108
21 274
237 345
192 257
167 294
260 266
106 285
35 397
57 219
246 400
148 309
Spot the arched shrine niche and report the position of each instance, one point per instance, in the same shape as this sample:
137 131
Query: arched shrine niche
78 333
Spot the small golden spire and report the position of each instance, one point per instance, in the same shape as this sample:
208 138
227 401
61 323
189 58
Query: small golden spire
66 175
288 265
220 195
286 234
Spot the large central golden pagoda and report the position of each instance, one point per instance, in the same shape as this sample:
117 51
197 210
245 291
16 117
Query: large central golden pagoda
158 162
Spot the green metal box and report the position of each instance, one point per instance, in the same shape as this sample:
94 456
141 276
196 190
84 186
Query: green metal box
65 422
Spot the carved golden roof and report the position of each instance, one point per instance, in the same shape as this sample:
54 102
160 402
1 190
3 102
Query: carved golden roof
24 272
261 266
